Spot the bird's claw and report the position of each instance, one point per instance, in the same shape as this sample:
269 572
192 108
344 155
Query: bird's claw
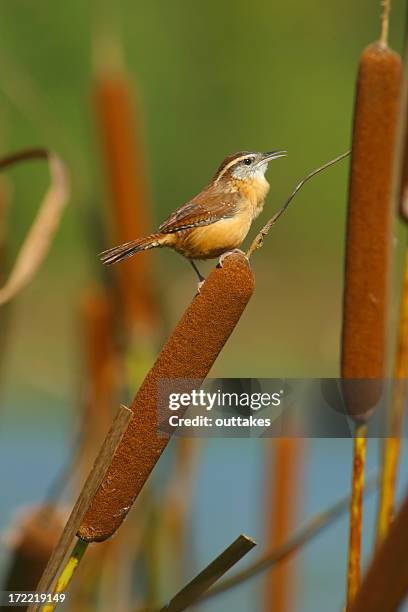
224 255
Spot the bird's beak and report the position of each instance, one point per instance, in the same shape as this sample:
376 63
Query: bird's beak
270 155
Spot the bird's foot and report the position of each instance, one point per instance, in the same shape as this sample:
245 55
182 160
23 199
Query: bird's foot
227 254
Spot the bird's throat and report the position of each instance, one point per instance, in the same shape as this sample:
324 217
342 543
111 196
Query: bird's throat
254 191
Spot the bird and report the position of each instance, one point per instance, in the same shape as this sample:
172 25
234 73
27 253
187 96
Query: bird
216 221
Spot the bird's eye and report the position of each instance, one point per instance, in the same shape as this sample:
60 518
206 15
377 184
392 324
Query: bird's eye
248 161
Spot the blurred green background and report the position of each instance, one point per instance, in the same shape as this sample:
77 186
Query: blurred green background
211 78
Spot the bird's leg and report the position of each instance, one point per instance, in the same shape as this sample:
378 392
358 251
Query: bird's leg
224 255
201 278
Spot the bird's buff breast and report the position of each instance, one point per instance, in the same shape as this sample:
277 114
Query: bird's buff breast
213 240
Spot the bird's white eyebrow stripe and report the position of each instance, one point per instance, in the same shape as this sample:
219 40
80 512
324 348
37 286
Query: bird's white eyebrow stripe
233 162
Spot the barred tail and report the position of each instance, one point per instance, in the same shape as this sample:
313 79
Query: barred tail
123 251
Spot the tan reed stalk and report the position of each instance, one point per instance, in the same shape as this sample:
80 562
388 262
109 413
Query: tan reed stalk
195 589
96 476
284 461
368 258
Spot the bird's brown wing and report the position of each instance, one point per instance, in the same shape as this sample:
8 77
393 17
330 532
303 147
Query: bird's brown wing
207 207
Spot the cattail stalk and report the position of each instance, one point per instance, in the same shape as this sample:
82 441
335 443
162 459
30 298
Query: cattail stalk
195 589
368 259
356 512
68 571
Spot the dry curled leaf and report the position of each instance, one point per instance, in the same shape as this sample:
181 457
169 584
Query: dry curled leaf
41 233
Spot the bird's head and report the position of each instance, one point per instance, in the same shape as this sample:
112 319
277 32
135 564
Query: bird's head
246 165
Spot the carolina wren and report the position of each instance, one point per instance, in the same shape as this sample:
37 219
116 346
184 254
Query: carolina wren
217 220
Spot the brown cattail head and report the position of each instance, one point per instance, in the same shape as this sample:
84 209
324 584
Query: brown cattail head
189 353
369 226
125 168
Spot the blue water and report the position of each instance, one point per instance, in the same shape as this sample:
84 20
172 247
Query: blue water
228 500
